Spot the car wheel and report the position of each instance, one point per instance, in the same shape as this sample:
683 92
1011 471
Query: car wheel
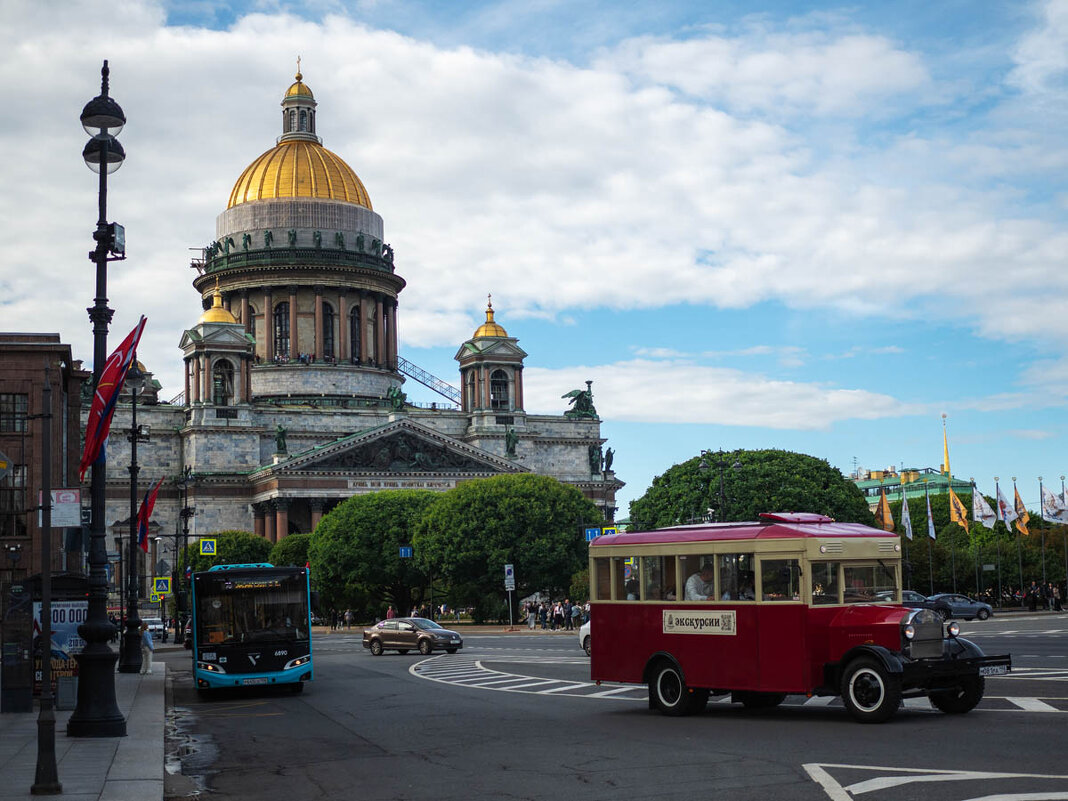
450 650
871 694
945 613
671 695
752 700
586 646
983 614
376 648
960 699
425 647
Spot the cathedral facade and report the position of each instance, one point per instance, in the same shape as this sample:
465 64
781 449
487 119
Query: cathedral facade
293 398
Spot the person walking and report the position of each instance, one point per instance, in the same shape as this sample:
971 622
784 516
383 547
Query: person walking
147 647
532 615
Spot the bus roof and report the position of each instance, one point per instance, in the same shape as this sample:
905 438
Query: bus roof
776 525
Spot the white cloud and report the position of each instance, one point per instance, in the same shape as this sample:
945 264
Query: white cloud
678 392
1042 55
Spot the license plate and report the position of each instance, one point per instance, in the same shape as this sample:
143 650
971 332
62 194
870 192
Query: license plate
993 670
455 642
255 681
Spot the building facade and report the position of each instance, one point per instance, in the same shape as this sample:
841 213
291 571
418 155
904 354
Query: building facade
293 394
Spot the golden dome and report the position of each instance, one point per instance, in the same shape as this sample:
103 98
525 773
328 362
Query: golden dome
217 314
489 328
298 169
299 88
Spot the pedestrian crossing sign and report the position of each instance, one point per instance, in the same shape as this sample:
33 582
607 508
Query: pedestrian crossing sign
155 598
161 586
207 547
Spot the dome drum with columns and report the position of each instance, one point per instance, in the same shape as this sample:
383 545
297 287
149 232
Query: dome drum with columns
292 398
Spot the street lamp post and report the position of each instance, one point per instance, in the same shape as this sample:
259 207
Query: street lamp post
187 511
96 713
130 660
705 468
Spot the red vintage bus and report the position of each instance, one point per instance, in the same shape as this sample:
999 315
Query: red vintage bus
793 604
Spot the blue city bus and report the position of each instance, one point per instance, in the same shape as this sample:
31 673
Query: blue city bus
251 626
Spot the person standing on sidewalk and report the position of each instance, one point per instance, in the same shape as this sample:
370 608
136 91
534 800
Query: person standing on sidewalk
147 647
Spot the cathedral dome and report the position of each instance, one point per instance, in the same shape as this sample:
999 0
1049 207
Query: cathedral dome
299 88
217 313
299 169
490 328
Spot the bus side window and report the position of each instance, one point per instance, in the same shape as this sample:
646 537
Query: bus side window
824 582
780 580
659 574
694 587
736 577
627 582
602 583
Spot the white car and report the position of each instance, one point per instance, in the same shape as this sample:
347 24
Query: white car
155 626
584 637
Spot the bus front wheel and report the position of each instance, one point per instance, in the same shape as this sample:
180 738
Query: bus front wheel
870 692
671 695
960 699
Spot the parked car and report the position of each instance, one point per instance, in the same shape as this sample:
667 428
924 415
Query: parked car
950 604
155 625
584 637
405 634
909 598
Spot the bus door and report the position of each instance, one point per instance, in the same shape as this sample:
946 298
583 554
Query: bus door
782 623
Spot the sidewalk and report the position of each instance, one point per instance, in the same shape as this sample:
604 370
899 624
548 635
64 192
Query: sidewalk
126 768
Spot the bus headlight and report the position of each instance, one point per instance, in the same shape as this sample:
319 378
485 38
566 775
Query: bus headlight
909 631
210 667
953 629
300 660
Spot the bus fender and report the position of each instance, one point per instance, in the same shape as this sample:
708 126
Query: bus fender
652 660
889 660
958 648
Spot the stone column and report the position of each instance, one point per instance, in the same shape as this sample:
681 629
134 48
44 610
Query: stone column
281 506
188 397
317 506
318 339
205 377
393 336
343 327
196 378
258 512
269 521
365 353
519 388
268 325
294 344
380 334
485 386
244 310
246 389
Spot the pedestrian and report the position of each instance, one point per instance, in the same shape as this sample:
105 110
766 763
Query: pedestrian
1056 597
576 614
348 618
567 614
543 614
146 649
532 615
390 614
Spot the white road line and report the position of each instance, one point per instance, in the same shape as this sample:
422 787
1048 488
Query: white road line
917 703
1032 705
532 684
565 687
820 700
614 691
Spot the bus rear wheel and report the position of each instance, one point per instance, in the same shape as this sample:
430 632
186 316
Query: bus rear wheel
960 699
870 692
671 695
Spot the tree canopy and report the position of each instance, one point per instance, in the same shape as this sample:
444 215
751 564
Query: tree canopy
754 481
529 521
293 550
355 551
231 548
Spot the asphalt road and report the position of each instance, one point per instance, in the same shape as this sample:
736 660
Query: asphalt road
515 717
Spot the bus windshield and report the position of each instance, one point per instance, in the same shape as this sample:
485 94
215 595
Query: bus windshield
263 608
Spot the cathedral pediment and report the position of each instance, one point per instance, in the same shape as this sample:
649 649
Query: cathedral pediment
398 448
215 335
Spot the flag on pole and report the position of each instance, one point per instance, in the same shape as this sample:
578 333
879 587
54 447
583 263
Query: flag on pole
1053 508
105 396
883 514
957 512
906 521
981 511
145 515
930 517
1022 517
1006 514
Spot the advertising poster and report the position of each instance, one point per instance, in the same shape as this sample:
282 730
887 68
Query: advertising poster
66 617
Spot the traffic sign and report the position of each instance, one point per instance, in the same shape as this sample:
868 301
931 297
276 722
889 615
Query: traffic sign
509 577
161 586
592 534
155 597
609 530
406 551
207 547
5 464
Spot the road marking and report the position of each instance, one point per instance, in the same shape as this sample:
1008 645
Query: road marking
1032 705
898 777
820 700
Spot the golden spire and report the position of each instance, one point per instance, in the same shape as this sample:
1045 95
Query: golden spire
490 328
945 449
299 76
217 313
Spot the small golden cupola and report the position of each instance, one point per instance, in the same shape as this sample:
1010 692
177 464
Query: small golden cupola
217 313
490 328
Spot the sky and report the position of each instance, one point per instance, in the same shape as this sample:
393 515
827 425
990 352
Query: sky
809 226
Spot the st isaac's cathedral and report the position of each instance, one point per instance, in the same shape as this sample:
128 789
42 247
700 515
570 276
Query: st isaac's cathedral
293 395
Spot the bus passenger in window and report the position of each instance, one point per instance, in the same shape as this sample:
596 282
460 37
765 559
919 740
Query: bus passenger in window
699 585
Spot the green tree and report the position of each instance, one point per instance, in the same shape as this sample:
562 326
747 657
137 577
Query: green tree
231 548
293 550
531 522
355 552
763 481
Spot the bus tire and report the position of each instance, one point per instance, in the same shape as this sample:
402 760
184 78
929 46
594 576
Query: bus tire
670 694
754 700
870 692
960 699
376 648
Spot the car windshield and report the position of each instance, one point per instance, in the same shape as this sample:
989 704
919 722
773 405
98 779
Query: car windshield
424 624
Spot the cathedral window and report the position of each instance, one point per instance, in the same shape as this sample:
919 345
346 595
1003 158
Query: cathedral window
328 331
498 389
303 120
222 383
354 334
281 330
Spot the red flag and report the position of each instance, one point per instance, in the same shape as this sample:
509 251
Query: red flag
145 515
106 396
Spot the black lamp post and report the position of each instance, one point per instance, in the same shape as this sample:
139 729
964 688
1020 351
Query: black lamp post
130 660
705 467
187 511
96 713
